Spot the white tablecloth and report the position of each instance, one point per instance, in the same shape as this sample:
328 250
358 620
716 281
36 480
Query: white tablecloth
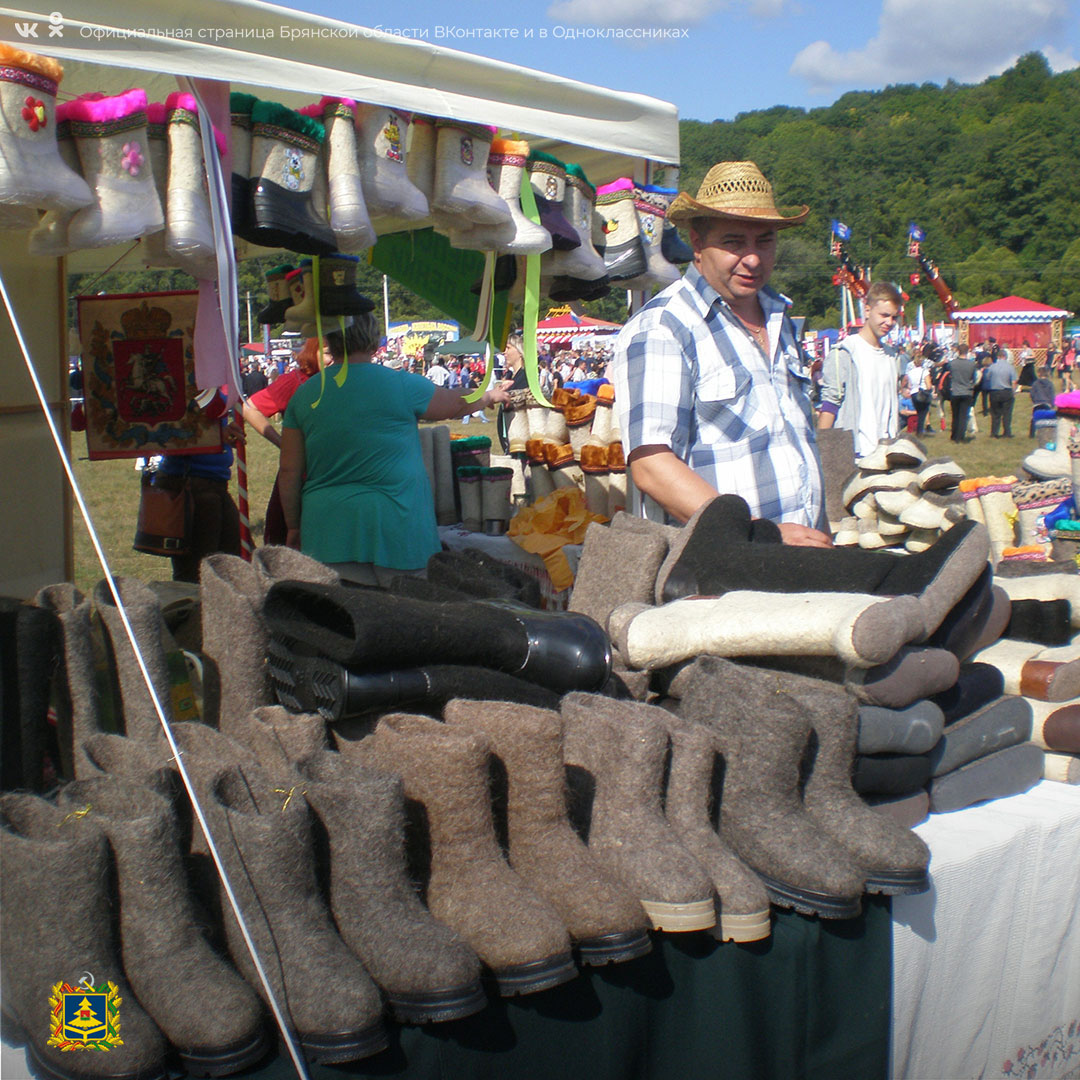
986 965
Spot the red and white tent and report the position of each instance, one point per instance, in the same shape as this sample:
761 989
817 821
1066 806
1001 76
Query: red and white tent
1012 321
563 325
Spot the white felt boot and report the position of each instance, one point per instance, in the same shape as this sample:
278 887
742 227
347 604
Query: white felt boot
420 169
496 508
859 629
50 236
461 184
32 172
1046 464
111 138
348 212
578 201
189 233
518 236
1000 513
380 146
659 272
152 249
472 517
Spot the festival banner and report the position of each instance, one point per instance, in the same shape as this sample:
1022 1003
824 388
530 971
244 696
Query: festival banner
139 385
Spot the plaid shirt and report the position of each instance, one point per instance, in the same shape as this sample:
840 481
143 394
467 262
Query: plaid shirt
688 376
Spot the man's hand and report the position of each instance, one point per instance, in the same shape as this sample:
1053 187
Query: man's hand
803 535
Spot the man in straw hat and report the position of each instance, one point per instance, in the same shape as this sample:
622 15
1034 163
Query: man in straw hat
712 390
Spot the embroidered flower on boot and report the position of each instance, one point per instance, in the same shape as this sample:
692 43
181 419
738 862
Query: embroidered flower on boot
34 114
133 159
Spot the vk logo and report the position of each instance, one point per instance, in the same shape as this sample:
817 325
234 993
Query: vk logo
26 30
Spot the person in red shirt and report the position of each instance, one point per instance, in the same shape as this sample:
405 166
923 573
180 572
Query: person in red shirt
269 402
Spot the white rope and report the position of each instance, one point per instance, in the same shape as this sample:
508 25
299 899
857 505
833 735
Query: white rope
65 461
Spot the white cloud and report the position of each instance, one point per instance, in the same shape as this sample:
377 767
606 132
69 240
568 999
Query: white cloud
650 13
1058 59
933 40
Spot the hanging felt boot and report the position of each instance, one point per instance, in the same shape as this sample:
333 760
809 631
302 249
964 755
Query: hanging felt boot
285 167
110 135
621 745
605 920
426 972
189 230
469 886
388 191
32 172
461 185
277 289
170 965
294 283
624 255
50 235
269 855
144 614
240 106
547 175
55 926
762 733
518 236
895 860
582 264
691 810
152 248
672 246
338 295
348 212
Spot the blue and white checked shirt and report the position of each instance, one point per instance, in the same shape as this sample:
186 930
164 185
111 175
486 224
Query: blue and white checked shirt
688 376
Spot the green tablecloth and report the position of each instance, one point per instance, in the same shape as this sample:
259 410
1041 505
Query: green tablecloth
811 1002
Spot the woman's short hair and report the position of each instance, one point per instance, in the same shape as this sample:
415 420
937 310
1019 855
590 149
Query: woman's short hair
518 341
361 337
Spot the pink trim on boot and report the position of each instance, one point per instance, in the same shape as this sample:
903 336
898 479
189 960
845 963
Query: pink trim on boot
105 109
622 184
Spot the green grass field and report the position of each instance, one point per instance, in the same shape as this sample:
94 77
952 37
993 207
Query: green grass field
111 489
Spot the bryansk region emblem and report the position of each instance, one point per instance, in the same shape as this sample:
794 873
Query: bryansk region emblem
85 1016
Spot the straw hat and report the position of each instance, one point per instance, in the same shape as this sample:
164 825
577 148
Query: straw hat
736 191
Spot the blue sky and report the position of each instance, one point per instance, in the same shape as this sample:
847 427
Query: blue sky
722 57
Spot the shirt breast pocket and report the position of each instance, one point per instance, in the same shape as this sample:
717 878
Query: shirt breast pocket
724 402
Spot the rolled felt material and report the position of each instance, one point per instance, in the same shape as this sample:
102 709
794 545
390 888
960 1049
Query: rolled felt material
1050 585
1056 726
890 774
914 730
1062 768
1002 723
1011 771
1046 622
1027 672
976 685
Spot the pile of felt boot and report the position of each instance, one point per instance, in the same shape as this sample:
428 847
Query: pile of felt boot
897 498
574 442
723 585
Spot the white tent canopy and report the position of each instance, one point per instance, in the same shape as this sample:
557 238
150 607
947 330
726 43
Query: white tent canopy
283 55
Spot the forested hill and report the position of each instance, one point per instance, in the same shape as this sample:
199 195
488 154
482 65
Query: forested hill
990 172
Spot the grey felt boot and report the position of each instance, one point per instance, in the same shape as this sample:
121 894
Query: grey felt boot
690 808
617 566
622 745
331 1001
136 761
426 971
279 738
201 1004
606 922
762 733
470 887
273 563
80 714
895 859
144 614
234 640
55 926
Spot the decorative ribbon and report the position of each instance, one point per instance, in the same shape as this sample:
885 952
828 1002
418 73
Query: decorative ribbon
532 296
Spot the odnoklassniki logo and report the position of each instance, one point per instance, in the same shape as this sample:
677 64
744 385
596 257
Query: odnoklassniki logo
85 1016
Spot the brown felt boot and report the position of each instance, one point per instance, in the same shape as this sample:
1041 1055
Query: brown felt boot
606 922
279 738
690 808
201 1004
264 830
622 744
234 641
470 887
762 733
894 859
273 563
55 927
426 971
144 614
